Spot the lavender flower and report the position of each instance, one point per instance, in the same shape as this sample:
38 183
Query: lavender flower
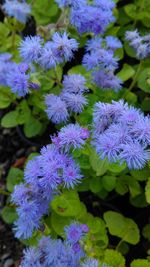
74 83
56 108
50 253
113 43
18 80
74 102
141 44
73 233
107 80
134 154
91 263
121 134
48 59
72 136
64 47
92 18
31 48
17 9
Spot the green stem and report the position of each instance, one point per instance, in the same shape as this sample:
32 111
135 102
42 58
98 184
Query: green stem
135 76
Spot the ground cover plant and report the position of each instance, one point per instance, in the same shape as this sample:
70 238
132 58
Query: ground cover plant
74 86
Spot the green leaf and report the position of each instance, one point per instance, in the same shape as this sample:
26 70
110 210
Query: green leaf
10 119
24 112
116 167
146 231
131 10
141 175
145 104
113 258
98 165
144 80
32 127
5 98
147 191
126 73
109 182
9 214
95 184
122 227
140 263
58 223
67 204
15 176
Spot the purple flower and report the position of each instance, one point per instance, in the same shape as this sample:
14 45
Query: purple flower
31 258
48 58
17 9
64 47
71 175
121 133
140 130
31 48
74 83
56 109
5 57
74 102
134 154
107 147
107 80
72 136
91 263
18 81
113 43
94 44
141 44
73 233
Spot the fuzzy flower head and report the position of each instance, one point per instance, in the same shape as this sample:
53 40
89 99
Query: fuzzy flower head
74 102
74 83
72 136
56 109
73 233
18 80
17 9
73 3
90 263
141 44
106 80
64 46
30 48
121 134
134 154
48 58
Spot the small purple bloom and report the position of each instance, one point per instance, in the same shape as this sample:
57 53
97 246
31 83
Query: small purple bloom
30 49
17 9
56 109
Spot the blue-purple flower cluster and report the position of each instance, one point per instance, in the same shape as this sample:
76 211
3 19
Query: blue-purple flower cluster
121 133
71 99
60 49
72 136
43 176
17 9
16 76
86 17
141 44
101 61
58 253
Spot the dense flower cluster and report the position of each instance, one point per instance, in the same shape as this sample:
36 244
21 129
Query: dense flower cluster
87 17
17 9
48 55
16 76
71 136
71 99
141 44
101 61
121 133
43 176
58 253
